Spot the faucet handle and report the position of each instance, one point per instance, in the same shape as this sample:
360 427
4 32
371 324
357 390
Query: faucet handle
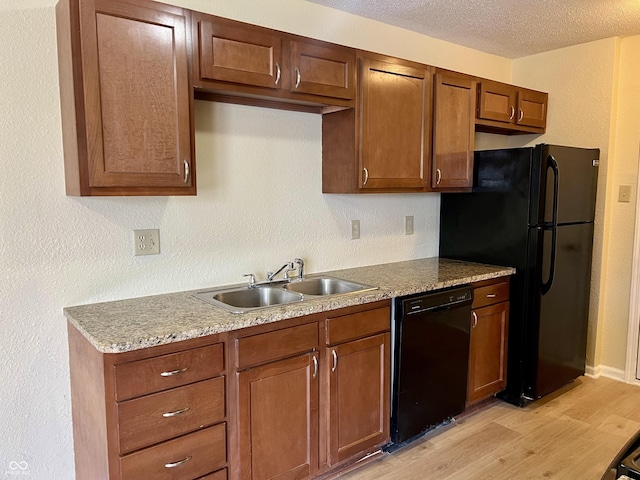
252 278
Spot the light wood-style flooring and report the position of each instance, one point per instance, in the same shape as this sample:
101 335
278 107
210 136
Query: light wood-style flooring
570 435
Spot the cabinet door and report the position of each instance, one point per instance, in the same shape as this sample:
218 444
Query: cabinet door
497 101
278 417
249 56
359 390
532 108
395 123
488 352
453 132
322 70
137 95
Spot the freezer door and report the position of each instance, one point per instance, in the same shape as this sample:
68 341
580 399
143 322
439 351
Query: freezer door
568 180
557 329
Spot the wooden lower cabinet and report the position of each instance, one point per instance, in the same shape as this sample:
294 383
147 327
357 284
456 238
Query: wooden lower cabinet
303 411
358 396
278 417
488 346
156 413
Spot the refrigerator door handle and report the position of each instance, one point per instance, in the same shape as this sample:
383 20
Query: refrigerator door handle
553 165
546 286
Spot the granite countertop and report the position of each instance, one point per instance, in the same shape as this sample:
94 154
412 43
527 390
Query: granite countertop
124 325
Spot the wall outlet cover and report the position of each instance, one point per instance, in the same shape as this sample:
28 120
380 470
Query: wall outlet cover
146 242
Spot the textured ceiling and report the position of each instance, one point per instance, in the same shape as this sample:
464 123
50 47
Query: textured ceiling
509 28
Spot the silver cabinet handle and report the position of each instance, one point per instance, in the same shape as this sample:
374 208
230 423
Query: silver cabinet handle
513 112
366 176
298 78
491 295
186 171
174 372
178 463
315 366
278 72
176 413
521 115
438 176
475 319
335 360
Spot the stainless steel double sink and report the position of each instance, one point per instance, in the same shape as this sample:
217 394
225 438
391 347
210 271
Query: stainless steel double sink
253 297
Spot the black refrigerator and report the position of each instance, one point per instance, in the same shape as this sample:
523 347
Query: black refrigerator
532 209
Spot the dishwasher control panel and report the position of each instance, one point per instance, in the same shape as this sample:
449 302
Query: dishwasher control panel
437 300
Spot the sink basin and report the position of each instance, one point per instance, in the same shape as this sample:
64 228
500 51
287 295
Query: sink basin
321 286
244 299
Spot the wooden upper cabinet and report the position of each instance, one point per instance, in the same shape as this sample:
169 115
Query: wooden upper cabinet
126 98
453 132
242 63
504 108
250 56
395 128
322 70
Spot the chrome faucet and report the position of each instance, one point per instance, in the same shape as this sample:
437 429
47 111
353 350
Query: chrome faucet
288 266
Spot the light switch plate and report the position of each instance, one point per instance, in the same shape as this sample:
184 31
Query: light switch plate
146 242
408 225
355 229
624 193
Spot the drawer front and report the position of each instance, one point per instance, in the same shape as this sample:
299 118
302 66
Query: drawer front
168 371
219 475
265 347
490 294
184 458
151 419
358 325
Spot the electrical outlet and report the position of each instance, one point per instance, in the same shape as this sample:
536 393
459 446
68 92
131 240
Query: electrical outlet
408 225
146 242
355 229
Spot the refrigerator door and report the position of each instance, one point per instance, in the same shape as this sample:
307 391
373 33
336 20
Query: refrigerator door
567 180
559 307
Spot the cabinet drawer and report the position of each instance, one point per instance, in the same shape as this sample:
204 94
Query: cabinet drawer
219 475
265 347
184 458
490 294
357 325
151 419
168 371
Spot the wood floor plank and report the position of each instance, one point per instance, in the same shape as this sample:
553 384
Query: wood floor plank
570 435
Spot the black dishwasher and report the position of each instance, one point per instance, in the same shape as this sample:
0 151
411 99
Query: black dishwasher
430 360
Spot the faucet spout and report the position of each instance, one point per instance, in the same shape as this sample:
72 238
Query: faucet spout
288 266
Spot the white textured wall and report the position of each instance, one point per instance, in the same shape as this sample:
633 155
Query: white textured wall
259 204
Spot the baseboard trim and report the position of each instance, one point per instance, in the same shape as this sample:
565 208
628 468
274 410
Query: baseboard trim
605 371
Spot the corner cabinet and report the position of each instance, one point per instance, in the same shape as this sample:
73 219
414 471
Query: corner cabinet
453 132
385 143
507 108
126 98
489 337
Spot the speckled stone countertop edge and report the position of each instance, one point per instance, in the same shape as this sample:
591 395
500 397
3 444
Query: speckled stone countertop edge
131 324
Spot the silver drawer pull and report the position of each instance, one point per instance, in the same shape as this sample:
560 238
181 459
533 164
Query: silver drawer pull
315 367
177 464
186 171
491 295
176 413
278 73
475 319
174 372
335 360
298 77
